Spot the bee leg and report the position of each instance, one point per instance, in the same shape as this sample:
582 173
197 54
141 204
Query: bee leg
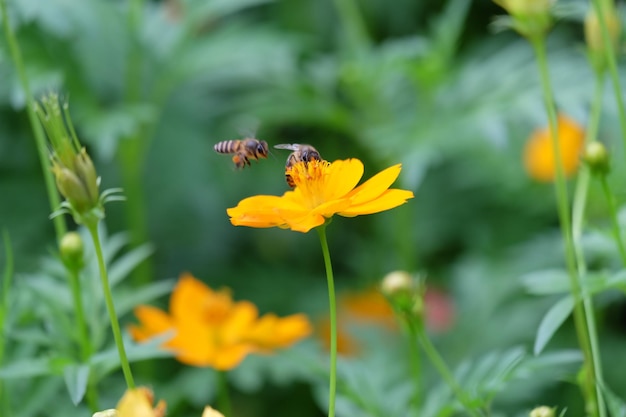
240 160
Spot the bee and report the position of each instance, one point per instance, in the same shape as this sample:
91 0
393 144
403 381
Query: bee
243 149
305 153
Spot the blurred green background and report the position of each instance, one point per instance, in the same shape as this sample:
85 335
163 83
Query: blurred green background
429 84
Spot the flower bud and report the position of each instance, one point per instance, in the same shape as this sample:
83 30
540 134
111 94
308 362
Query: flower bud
72 188
542 411
526 7
72 249
106 413
530 17
396 282
399 288
597 158
87 173
593 33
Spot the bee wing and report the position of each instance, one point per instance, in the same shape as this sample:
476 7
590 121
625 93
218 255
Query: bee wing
288 146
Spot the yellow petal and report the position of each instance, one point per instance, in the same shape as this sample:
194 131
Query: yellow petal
342 176
272 332
260 211
388 200
238 323
193 343
135 403
153 322
305 223
230 357
375 186
189 298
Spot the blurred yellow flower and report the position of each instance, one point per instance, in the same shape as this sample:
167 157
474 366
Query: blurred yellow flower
210 329
539 152
322 189
210 412
139 402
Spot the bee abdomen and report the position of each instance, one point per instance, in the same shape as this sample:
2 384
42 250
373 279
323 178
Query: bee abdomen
226 146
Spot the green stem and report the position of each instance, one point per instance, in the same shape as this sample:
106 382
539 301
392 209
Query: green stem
580 316
223 399
445 373
416 365
133 73
40 140
353 22
86 348
578 215
4 303
131 149
612 64
333 320
606 188
131 157
106 290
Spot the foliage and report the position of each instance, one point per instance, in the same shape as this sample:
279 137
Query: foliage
435 86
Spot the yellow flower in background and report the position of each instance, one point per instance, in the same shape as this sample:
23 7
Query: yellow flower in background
539 152
322 189
138 402
210 329
210 412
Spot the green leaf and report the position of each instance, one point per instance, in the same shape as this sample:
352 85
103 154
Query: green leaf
552 321
127 300
26 368
76 379
549 281
122 267
615 404
105 362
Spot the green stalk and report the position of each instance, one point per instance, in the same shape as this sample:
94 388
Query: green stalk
354 24
4 302
333 320
86 348
612 64
445 373
580 201
416 363
580 316
40 140
106 290
131 151
223 399
133 71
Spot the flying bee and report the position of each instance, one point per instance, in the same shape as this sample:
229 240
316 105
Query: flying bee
301 153
243 149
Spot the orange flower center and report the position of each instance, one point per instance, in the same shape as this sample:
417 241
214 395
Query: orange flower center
216 309
309 178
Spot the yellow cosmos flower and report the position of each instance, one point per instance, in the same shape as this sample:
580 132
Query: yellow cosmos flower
539 152
322 189
210 329
138 402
